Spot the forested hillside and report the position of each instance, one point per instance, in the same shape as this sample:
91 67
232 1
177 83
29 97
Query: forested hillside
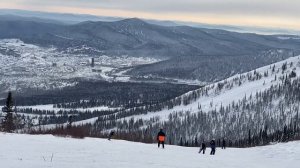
254 108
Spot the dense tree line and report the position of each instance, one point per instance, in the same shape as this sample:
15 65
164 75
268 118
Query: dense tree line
51 117
100 93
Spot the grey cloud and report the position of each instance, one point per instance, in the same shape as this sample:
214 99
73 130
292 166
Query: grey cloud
283 8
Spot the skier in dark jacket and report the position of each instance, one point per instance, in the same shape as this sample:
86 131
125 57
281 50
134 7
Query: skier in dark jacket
161 136
70 121
213 147
203 148
112 133
223 144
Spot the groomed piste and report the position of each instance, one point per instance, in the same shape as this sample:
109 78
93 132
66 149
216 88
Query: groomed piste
40 151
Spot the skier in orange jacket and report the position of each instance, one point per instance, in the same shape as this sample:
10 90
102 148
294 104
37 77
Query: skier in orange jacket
161 136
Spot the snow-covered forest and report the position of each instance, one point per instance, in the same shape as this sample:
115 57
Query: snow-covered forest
254 108
249 109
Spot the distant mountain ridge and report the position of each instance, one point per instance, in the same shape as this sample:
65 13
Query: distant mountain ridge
68 18
138 38
190 53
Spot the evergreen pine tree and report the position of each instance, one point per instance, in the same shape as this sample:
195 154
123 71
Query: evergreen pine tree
249 137
8 123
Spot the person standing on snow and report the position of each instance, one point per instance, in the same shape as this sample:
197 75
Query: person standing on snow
223 144
203 148
161 136
112 133
213 147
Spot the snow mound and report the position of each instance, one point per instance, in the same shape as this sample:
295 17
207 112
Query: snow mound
37 151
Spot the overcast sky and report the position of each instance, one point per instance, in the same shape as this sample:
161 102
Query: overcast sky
265 13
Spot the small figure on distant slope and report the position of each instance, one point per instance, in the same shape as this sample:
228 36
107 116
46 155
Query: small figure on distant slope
223 144
161 136
70 121
112 133
213 147
203 147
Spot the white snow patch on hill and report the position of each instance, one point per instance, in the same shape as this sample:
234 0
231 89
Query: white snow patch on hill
225 97
38 151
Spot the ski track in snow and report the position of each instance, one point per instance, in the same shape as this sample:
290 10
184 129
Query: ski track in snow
35 151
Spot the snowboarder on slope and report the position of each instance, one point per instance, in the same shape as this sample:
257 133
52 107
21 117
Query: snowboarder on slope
112 133
161 136
213 147
203 148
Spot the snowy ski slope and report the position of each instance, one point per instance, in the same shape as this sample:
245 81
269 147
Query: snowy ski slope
40 151
226 96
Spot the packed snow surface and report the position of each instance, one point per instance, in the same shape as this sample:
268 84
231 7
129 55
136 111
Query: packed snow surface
37 151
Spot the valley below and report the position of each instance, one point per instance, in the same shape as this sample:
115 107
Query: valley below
135 77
